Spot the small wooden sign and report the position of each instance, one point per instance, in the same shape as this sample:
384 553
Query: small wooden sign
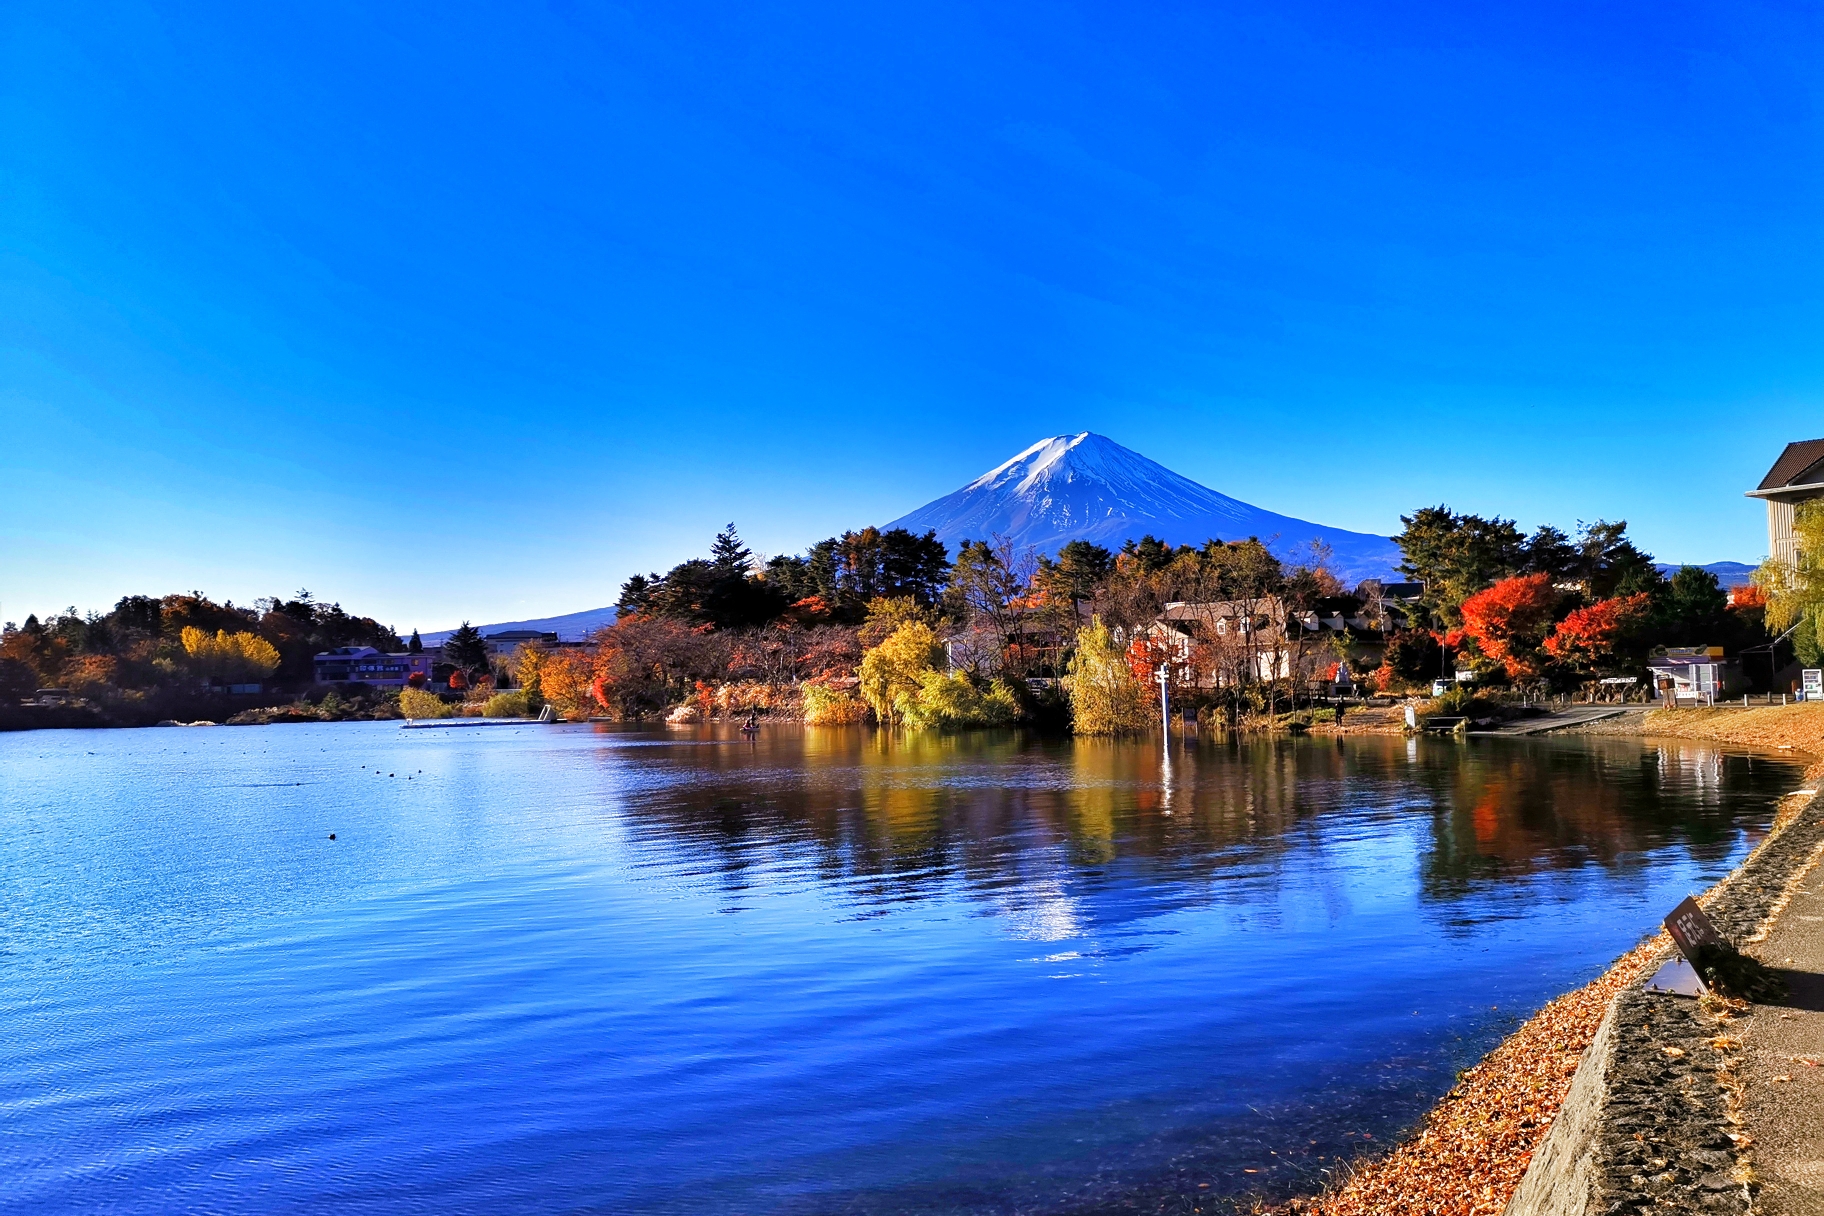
1690 928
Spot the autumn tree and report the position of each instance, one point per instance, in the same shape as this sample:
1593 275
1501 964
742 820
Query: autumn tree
887 614
567 682
1105 699
894 668
1509 622
1604 637
229 658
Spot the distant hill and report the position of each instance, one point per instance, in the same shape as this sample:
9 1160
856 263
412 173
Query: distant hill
1729 574
1087 487
571 628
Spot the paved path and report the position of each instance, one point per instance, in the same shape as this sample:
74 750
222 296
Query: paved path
1783 1070
1575 715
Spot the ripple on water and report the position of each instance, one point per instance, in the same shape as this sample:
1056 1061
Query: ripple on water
679 971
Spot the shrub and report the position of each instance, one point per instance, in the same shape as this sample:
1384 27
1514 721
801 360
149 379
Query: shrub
1460 702
506 705
826 706
951 701
417 703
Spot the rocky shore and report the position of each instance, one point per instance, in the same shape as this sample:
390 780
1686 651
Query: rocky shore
1610 1099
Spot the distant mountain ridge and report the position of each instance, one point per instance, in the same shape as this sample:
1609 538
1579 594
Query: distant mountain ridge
1088 487
573 627
1729 574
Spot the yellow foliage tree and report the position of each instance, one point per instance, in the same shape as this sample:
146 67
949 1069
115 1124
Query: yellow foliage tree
528 662
231 658
417 703
1795 590
886 615
894 667
1105 699
826 706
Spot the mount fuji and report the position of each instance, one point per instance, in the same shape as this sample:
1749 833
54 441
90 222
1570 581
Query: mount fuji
1087 487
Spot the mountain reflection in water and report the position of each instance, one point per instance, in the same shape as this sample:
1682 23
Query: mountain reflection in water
676 971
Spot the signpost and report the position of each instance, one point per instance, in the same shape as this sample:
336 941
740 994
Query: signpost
1691 929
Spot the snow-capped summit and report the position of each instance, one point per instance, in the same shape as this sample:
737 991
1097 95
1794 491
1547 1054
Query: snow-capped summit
1088 487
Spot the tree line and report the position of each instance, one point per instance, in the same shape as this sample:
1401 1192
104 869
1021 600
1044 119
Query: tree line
899 628
147 648
1551 608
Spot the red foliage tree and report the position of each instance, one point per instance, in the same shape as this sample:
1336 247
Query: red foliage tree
1510 620
1595 639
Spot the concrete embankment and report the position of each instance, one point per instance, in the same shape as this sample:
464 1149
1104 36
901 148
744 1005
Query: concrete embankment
1655 1119
1609 1099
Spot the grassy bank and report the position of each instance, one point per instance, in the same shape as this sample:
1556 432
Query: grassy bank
1469 1154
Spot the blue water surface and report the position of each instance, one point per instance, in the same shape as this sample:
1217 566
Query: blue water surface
586 969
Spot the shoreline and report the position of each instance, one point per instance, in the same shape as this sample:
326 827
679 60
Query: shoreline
1470 1154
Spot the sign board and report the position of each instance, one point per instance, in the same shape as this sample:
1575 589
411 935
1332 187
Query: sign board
1690 928
1466 677
1812 681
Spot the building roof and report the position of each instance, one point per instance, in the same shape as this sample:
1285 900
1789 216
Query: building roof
1801 464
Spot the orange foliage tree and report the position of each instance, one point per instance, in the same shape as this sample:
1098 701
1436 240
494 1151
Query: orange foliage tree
1509 622
1594 639
90 674
566 679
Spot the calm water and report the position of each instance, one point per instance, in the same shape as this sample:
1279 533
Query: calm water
578 970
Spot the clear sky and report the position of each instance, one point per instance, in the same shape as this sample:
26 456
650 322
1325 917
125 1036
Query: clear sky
450 310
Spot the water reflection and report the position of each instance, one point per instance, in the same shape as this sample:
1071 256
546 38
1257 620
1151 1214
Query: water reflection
914 813
678 972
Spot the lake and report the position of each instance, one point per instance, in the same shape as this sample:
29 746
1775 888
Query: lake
603 969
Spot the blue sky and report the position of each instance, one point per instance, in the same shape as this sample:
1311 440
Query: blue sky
454 311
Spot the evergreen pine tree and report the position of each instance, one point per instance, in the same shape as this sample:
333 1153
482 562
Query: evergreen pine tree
728 554
416 645
466 650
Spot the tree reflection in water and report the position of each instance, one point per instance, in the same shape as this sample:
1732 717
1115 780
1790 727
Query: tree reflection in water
1030 825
